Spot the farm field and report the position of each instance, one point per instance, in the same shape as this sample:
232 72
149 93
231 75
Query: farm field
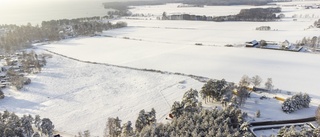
79 96
289 70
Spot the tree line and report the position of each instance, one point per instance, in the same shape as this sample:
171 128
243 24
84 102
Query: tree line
13 37
312 42
124 6
253 14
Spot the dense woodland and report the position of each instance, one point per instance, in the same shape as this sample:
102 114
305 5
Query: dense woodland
123 6
13 37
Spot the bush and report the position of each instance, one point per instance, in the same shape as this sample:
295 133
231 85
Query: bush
296 102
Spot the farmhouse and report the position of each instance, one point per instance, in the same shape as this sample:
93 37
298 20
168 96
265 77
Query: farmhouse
286 45
252 43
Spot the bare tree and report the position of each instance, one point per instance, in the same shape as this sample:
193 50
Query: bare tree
245 81
268 84
256 80
242 95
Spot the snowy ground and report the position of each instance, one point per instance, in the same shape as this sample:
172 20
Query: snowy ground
170 9
217 33
289 70
79 96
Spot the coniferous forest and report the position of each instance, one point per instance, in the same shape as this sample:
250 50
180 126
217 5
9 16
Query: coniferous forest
14 37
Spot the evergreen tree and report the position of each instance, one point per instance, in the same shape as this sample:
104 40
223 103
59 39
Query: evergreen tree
127 130
296 102
114 127
141 121
37 121
27 125
47 127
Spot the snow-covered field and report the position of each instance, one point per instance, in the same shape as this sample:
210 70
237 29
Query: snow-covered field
290 70
79 96
157 10
213 33
218 33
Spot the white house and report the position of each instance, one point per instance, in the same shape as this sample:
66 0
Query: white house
286 44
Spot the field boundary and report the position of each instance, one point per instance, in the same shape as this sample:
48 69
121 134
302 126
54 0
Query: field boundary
198 78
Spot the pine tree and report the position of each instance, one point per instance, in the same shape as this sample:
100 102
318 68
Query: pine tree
47 127
141 121
127 130
37 121
27 125
268 84
114 127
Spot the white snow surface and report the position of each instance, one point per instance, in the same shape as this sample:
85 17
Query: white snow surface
170 9
79 96
289 70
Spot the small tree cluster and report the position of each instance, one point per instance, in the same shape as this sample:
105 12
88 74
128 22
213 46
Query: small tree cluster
16 79
263 28
311 42
215 89
296 102
11 125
